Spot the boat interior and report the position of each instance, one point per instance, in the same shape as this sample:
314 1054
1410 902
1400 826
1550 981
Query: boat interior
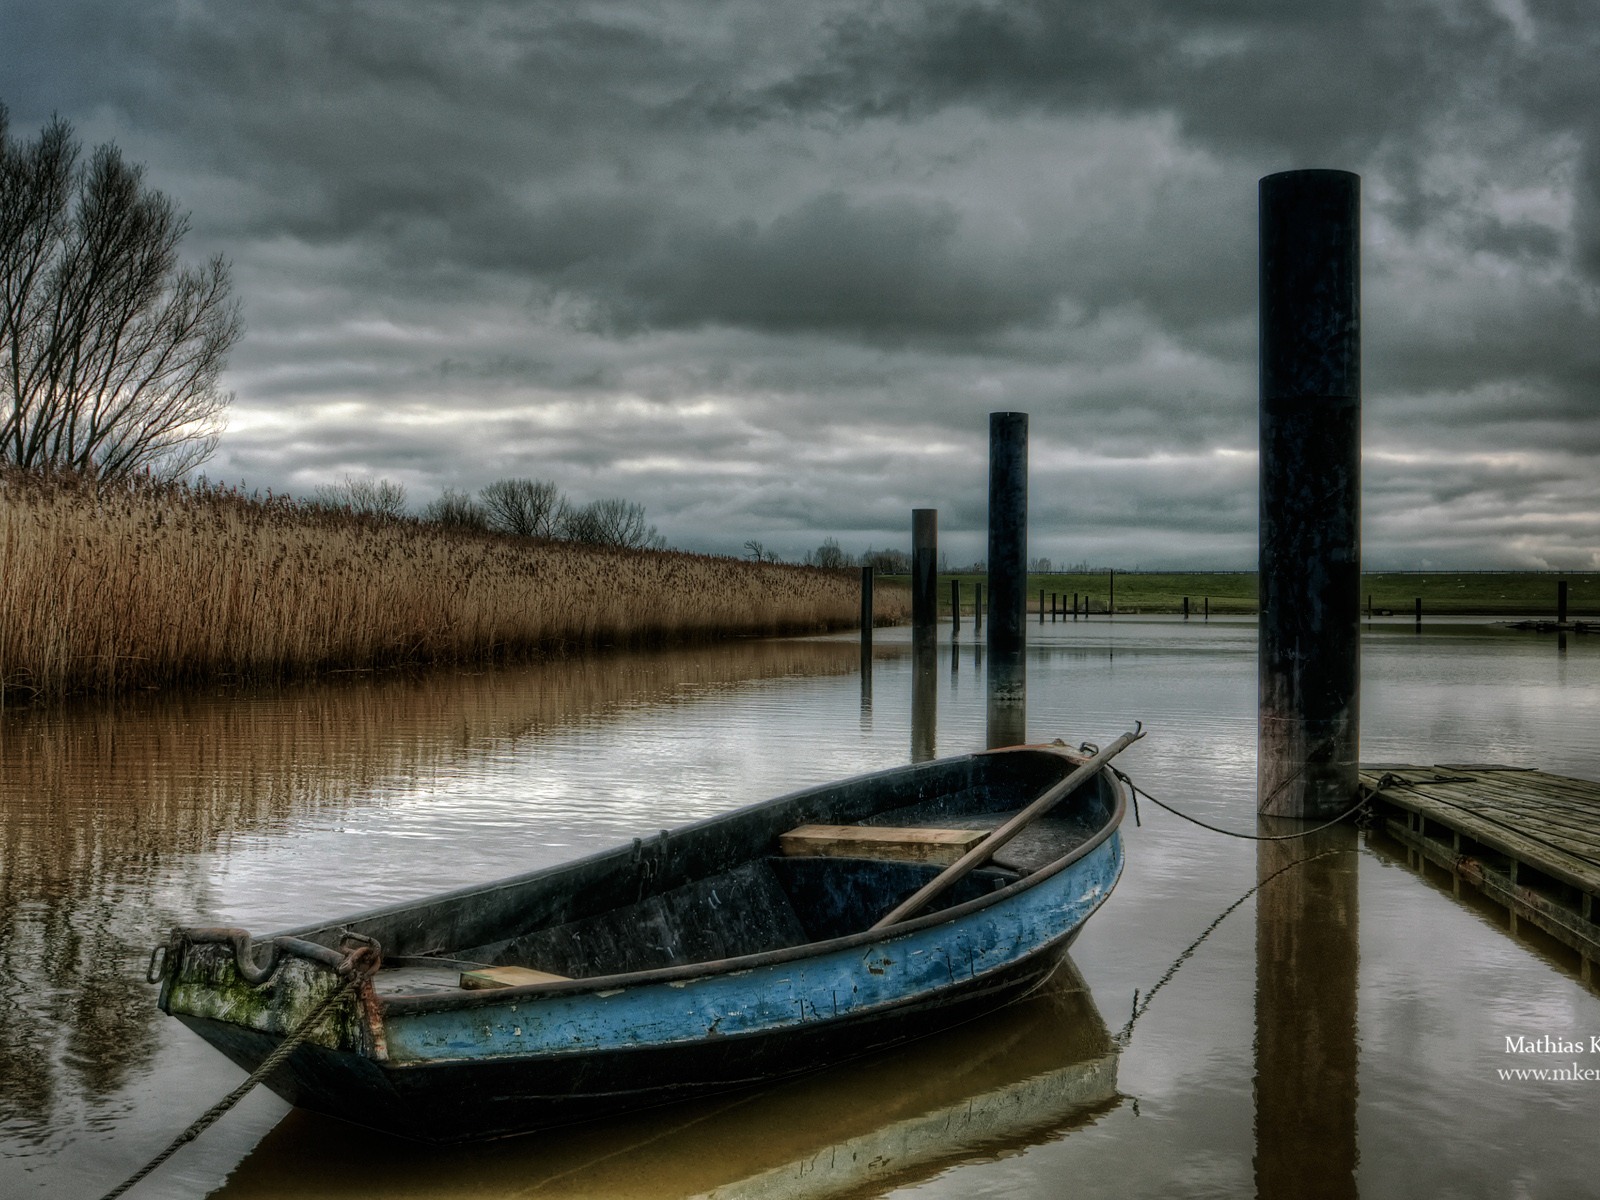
802 884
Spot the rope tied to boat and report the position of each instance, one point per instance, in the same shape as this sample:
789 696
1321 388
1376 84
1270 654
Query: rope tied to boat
360 963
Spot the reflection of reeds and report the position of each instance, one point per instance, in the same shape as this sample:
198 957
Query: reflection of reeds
115 816
109 589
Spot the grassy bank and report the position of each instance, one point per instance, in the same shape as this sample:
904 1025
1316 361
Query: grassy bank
112 589
1443 593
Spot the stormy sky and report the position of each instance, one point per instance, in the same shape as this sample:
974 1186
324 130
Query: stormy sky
766 268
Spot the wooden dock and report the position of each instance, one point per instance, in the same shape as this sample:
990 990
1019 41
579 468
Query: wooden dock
1526 839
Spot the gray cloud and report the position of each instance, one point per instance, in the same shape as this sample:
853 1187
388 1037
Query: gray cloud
768 268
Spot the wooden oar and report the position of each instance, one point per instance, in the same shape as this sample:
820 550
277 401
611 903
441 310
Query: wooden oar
980 854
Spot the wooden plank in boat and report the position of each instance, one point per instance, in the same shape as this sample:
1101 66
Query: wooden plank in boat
503 977
903 844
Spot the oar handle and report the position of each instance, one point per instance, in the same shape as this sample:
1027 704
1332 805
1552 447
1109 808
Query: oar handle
999 836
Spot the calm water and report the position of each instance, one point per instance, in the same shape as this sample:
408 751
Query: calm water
1364 1064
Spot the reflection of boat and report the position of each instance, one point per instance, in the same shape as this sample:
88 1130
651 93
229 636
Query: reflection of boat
1028 1074
699 961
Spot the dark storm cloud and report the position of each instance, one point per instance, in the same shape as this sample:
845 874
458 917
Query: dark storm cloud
767 268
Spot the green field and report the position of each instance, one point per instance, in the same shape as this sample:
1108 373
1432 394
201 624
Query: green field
1443 593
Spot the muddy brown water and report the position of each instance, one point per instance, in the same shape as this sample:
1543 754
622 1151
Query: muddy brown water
1342 1033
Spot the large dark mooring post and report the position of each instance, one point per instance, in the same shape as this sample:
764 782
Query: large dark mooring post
1310 552
924 574
1008 577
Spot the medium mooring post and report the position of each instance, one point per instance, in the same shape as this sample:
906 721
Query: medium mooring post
1561 602
924 574
866 611
1008 576
1308 727
955 606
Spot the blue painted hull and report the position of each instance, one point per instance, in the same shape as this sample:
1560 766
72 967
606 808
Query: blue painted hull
483 1064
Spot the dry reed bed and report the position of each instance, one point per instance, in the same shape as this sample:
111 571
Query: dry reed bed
115 588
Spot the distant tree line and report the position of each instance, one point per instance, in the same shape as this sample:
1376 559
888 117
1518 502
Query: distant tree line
521 507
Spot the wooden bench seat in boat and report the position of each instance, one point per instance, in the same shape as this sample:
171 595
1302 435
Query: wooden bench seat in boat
901 843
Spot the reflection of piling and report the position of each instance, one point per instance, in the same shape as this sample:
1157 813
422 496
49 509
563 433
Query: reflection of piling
1310 551
924 699
1007 723
1307 955
924 574
1008 531
1561 602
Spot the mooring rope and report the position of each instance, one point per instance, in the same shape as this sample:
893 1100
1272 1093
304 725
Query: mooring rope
1249 837
1126 1032
271 1063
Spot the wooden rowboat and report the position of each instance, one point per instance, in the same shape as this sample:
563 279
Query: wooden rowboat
727 953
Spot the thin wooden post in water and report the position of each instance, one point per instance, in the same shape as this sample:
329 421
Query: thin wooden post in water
924 574
977 608
1561 602
1419 612
1310 464
1041 606
1208 608
955 606
1111 600
1186 608
1074 606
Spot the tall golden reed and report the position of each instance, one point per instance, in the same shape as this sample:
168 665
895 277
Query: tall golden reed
111 588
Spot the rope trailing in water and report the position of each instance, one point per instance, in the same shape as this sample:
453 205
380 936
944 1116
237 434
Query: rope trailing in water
1249 837
1125 1034
271 1063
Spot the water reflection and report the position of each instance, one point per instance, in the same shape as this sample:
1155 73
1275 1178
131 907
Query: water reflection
1307 955
1007 710
1032 1072
924 700
107 808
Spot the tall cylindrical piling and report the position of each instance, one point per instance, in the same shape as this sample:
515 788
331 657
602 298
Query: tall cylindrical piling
924 574
1008 532
1561 602
1008 577
866 636
1310 552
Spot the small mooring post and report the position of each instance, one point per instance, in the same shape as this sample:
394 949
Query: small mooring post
1041 606
1186 608
1561 602
924 574
1075 606
1419 614
1111 595
955 606
1310 551
977 608
1008 577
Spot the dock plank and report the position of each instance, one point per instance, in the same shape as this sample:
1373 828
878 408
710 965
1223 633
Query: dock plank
1550 823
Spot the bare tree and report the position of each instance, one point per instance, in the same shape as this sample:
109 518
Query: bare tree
758 552
456 510
522 506
369 497
110 352
610 522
